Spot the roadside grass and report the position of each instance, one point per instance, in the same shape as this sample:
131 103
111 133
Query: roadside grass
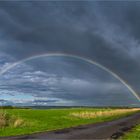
108 113
27 121
7 120
134 134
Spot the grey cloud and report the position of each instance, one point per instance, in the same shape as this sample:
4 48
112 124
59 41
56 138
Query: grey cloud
107 32
79 90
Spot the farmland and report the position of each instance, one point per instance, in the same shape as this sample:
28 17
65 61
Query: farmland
27 121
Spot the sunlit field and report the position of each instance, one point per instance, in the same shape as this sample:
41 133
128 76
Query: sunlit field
27 121
100 113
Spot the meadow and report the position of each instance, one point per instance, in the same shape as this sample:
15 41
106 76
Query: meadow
27 121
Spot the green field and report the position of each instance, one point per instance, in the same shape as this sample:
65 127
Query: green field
134 134
52 119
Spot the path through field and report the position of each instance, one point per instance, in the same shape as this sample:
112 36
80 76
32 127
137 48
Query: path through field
105 130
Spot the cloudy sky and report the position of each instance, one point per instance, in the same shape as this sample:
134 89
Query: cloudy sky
107 33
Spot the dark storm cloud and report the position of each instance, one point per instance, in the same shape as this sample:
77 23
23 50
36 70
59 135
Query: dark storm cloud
107 32
43 102
1 100
5 102
79 88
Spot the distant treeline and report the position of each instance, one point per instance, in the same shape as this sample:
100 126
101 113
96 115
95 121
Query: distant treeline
13 107
66 107
61 107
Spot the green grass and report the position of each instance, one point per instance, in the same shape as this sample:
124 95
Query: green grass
52 119
134 134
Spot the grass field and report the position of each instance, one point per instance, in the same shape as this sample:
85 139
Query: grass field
27 121
134 134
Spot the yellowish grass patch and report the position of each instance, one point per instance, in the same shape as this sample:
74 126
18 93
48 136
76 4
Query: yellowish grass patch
18 122
8 120
90 114
4 118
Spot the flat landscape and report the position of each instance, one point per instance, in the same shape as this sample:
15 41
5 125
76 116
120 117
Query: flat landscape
70 69
15 122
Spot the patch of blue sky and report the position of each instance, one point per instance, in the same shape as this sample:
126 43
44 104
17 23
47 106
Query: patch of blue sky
13 95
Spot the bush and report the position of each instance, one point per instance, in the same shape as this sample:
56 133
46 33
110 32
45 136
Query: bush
8 120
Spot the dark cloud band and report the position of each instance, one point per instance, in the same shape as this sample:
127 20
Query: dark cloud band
76 57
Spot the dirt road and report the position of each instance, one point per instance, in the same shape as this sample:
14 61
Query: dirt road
105 130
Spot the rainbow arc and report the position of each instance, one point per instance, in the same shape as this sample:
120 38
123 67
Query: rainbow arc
76 57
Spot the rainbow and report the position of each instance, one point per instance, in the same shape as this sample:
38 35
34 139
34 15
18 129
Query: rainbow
76 57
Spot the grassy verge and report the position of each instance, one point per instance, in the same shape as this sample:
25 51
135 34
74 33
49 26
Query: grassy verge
7 120
52 119
134 134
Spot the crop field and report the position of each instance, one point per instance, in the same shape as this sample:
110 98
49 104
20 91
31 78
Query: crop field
27 121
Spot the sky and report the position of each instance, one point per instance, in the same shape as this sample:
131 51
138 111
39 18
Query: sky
107 33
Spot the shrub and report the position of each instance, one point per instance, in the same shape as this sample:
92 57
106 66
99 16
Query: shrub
8 120
4 119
